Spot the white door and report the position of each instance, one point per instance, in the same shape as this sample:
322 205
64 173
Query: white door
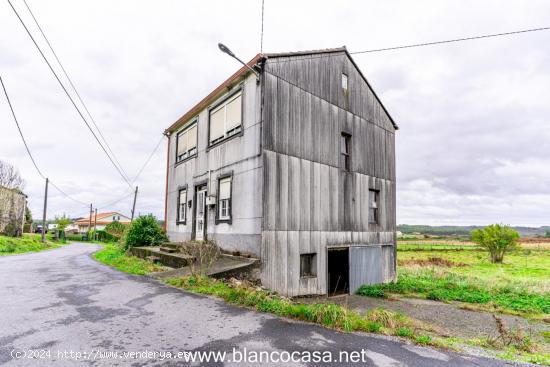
201 214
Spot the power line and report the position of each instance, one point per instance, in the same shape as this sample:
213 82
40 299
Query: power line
147 160
20 132
74 88
328 54
28 149
452 40
68 95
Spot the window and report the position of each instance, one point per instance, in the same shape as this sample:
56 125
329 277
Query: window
186 145
345 89
308 265
345 152
373 206
182 208
344 83
224 199
226 119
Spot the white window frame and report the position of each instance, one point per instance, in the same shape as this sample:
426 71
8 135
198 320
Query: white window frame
223 105
189 152
224 204
181 205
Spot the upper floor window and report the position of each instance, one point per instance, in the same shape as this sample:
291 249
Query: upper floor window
345 152
344 83
182 208
226 119
224 199
373 206
186 144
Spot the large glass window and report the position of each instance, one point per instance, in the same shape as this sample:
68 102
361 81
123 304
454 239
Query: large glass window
226 119
224 199
186 143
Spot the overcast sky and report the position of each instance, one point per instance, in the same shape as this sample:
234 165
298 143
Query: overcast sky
474 139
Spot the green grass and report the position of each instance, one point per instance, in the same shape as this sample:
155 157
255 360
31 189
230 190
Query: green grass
27 243
520 285
113 255
326 314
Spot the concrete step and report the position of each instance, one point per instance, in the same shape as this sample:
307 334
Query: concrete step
169 250
153 258
173 245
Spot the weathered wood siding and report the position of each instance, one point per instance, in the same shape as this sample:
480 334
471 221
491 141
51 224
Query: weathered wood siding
240 156
310 203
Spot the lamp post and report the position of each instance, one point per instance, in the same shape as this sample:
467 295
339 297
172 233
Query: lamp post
223 48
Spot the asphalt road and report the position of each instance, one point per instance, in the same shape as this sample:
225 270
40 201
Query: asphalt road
64 308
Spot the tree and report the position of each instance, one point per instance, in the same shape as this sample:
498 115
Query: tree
28 215
497 239
144 231
62 222
10 176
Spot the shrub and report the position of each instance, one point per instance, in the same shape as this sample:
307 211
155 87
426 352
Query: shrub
144 231
497 239
204 254
104 236
116 229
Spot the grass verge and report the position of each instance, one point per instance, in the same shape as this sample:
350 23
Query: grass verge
27 243
329 315
113 255
454 287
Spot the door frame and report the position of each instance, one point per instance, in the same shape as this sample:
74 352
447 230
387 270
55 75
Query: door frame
198 187
336 248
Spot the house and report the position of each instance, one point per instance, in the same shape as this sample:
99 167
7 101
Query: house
295 167
13 203
102 220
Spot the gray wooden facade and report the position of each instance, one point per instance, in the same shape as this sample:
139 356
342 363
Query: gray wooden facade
291 196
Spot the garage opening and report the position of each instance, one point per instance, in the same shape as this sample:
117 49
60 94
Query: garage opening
338 271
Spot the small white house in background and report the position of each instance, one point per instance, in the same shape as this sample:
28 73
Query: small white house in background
52 226
101 221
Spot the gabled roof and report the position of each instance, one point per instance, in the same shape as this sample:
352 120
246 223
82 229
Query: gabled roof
221 89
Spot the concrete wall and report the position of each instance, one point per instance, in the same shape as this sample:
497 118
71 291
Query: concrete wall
239 156
310 202
12 209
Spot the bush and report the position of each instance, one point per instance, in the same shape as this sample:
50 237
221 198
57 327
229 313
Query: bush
204 253
116 229
144 231
497 239
73 237
104 236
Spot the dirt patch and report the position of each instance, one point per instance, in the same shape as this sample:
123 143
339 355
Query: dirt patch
431 261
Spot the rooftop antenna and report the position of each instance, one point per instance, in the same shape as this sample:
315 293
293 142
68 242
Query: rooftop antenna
223 48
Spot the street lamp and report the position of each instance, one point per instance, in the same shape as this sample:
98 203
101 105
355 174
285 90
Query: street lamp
223 48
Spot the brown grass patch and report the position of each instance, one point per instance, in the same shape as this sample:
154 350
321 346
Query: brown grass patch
431 261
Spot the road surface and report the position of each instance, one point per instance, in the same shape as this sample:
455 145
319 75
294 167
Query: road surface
63 308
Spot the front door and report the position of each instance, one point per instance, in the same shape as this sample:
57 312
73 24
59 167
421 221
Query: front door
200 219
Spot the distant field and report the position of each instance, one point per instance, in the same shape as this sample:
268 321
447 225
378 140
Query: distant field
450 270
429 243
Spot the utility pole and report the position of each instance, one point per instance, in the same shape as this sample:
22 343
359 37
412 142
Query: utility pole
44 212
134 205
90 222
95 224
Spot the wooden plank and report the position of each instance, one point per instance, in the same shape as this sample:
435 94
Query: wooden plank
316 196
269 111
282 192
294 122
305 195
325 198
283 102
293 263
294 193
